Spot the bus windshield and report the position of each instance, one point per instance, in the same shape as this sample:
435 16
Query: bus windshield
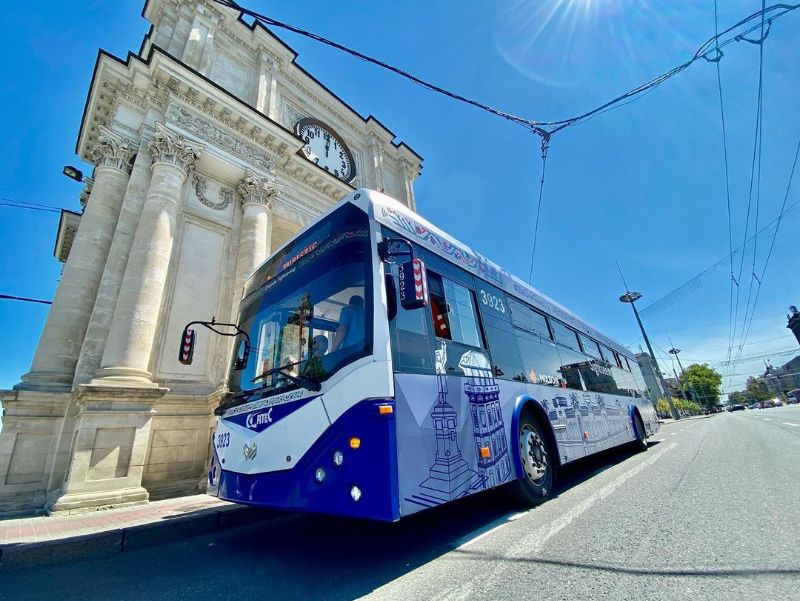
312 314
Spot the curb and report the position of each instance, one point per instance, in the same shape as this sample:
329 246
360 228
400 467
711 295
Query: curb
23 555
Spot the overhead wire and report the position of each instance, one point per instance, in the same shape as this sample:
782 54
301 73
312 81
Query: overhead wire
717 61
19 204
755 177
710 51
25 299
771 246
710 47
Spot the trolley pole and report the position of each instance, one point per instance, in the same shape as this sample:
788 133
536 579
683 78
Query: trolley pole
631 297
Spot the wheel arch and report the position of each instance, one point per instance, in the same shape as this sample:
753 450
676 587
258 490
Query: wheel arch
521 405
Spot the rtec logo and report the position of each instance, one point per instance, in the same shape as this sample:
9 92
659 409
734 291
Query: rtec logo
254 420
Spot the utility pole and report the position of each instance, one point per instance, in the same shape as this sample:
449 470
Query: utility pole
631 297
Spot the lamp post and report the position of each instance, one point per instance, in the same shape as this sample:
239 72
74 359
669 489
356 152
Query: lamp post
632 297
675 351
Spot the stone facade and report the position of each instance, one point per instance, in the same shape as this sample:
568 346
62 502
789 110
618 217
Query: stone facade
197 177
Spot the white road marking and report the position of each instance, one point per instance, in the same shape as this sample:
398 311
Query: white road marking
673 433
581 508
484 535
791 424
767 419
567 518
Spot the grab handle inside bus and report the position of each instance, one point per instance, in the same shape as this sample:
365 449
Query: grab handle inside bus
189 338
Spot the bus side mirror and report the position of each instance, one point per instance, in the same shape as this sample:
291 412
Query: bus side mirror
242 355
186 352
413 284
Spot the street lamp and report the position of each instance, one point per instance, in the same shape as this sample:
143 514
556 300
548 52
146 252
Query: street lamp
675 351
631 297
73 173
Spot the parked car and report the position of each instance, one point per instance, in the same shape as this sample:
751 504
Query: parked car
737 407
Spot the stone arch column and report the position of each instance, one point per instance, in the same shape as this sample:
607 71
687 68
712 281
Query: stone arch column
53 365
127 354
255 234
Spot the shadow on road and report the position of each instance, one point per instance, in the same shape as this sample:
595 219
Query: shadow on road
294 556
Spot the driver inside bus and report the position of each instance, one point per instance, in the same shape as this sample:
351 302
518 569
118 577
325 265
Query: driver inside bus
351 325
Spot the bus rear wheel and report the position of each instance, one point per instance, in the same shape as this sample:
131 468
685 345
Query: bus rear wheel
538 460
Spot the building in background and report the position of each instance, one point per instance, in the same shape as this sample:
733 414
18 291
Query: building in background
782 379
203 147
794 322
652 377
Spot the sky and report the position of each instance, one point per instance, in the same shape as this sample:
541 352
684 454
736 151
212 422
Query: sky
642 186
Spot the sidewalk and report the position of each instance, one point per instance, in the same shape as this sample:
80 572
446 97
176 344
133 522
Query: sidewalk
50 539
47 528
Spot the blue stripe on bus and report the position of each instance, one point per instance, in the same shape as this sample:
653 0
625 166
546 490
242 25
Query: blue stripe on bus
372 467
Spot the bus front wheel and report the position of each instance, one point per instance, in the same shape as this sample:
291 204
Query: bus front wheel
538 461
640 444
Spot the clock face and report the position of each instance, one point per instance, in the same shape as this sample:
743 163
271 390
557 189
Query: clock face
326 149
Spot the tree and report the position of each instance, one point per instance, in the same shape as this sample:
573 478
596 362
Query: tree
702 383
737 398
756 391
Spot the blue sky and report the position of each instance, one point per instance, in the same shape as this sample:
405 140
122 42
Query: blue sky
642 185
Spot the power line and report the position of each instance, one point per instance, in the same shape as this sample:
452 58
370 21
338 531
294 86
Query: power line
705 51
25 299
727 174
771 246
755 178
545 147
694 282
30 207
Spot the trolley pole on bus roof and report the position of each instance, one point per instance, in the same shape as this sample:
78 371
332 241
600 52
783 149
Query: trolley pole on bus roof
631 297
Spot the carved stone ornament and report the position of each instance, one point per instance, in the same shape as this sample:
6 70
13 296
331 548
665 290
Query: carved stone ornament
258 190
112 150
225 194
208 132
86 192
168 147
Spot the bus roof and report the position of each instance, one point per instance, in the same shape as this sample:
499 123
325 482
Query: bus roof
397 216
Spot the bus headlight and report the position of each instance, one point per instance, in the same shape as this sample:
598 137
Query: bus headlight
319 475
355 493
338 458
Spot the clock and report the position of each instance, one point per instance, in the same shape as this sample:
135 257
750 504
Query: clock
324 147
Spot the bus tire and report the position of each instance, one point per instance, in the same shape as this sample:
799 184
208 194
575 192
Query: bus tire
538 460
640 444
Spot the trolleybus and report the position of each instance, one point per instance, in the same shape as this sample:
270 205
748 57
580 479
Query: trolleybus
381 368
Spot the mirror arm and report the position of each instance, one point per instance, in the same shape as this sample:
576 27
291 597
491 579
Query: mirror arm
214 324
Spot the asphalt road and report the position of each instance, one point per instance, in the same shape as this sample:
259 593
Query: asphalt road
710 511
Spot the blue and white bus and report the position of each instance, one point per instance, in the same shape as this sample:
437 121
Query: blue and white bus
383 368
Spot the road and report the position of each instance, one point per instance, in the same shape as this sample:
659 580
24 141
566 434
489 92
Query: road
710 511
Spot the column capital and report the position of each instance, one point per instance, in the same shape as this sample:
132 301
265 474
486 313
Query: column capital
112 150
258 190
169 147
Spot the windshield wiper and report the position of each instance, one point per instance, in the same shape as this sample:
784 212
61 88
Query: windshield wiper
234 400
299 380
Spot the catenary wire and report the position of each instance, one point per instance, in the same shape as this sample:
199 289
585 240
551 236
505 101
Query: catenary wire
755 181
727 172
771 246
711 47
25 299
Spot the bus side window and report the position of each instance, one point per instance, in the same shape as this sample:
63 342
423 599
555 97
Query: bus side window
500 336
453 311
